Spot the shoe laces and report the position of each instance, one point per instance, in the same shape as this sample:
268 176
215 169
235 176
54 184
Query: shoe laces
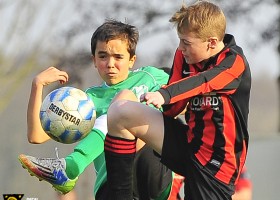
56 152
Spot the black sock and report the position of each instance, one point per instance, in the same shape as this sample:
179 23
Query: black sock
119 154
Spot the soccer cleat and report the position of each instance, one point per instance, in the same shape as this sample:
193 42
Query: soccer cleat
51 170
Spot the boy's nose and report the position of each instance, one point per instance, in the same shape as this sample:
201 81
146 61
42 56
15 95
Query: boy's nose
111 62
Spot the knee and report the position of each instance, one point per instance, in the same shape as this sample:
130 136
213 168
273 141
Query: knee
125 95
114 109
119 108
116 112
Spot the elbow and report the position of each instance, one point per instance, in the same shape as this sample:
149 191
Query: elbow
33 140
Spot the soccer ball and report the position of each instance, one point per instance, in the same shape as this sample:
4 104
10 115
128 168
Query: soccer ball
67 115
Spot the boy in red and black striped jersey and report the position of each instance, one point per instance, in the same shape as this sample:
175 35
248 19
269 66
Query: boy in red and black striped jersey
210 79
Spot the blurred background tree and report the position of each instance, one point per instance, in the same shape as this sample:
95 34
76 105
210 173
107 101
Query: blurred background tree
278 29
34 32
37 34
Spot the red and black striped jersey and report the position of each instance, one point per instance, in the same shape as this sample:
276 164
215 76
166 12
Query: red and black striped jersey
216 97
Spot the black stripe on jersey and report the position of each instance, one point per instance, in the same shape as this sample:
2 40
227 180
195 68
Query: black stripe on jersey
189 83
198 132
219 142
186 68
238 147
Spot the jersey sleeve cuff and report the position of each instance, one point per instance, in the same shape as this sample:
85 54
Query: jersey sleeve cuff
165 94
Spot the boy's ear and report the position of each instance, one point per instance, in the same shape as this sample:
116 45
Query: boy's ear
213 41
132 61
93 60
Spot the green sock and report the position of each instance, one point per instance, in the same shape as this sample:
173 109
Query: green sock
84 154
72 169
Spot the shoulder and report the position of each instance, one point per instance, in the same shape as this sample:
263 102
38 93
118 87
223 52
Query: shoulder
151 71
93 89
231 46
146 69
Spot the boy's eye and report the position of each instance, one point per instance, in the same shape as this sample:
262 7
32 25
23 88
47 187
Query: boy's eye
102 56
115 56
119 57
186 42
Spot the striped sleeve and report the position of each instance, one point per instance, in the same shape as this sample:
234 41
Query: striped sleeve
224 77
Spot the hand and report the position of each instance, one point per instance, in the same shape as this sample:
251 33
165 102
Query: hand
35 132
51 75
154 98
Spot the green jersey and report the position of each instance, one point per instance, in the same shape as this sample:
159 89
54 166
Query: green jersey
140 81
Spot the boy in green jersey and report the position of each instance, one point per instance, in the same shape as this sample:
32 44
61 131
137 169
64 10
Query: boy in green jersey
113 47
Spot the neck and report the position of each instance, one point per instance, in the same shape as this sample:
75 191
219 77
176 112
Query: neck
219 47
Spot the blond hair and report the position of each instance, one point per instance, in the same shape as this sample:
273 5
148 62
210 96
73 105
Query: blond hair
204 19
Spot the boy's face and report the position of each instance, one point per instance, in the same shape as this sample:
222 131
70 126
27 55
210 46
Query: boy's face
113 61
194 49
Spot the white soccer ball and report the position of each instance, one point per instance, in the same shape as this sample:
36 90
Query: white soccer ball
67 114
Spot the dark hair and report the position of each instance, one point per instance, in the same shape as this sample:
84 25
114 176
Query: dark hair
112 29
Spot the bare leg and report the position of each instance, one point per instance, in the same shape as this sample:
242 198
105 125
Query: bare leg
128 95
69 196
129 119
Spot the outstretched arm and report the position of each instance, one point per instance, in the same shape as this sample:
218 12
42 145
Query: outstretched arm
35 132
